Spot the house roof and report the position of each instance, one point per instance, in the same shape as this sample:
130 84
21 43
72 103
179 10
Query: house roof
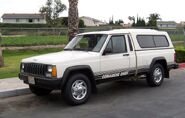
22 16
93 19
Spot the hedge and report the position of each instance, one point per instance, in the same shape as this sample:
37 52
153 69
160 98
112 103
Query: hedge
180 56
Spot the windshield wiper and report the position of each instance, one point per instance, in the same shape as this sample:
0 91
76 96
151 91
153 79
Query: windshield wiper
68 49
80 49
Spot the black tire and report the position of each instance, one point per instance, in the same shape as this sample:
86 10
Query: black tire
68 89
39 91
151 80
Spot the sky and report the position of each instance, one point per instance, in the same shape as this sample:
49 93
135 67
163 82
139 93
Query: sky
169 10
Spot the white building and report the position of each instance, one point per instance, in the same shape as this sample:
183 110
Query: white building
24 18
182 23
129 25
166 24
91 21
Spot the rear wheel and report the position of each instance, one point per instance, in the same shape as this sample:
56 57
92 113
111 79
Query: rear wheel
77 90
39 91
156 75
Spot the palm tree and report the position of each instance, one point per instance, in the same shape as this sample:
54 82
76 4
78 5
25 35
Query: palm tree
73 19
1 54
153 18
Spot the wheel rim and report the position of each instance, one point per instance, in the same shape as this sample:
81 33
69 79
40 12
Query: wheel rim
79 89
157 75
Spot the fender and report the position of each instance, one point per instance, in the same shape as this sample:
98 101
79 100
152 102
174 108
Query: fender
84 69
156 59
162 61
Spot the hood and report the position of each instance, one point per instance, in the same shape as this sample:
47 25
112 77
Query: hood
64 56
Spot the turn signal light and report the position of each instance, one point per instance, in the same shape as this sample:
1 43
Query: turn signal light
54 71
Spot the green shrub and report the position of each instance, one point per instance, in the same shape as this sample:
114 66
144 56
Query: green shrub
180 54
10 25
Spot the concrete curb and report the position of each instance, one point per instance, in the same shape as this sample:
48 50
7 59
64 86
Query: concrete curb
182 65
15 92
10 87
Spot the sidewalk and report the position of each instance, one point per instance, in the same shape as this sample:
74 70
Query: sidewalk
12 87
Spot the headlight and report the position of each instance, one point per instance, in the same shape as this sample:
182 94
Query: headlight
51 71
22 67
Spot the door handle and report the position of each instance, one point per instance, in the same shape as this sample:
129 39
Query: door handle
125 54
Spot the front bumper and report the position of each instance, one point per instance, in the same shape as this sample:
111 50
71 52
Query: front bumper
42 82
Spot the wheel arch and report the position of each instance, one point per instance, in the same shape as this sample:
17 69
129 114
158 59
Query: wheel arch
84 69
163 62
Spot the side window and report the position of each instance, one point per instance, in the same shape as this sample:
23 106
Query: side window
130 43
146 41
161 41
117 44
152 41
83 43
109 46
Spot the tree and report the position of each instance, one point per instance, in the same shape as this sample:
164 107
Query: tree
73 19
153 18
132 19
65 22
1 54
118 22
52 10
81 23
47 10
140 22
111 21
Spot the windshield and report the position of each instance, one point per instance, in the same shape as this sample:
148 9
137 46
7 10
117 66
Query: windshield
90 42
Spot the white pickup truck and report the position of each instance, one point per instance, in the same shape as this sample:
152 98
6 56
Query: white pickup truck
97 57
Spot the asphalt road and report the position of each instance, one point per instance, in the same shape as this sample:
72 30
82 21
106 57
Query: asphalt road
113 100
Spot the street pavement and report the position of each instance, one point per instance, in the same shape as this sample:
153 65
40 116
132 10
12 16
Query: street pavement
125 99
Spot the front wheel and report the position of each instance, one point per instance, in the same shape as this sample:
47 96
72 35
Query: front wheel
39 91
156 75
77 90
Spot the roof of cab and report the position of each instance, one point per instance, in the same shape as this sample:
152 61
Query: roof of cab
121 31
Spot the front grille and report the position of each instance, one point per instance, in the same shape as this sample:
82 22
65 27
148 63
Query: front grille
37 69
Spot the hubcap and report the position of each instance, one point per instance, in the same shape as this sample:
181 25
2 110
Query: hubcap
79 89
157 75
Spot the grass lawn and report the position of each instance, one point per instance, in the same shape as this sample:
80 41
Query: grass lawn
12 61
33 40
176 37
51 40
180 47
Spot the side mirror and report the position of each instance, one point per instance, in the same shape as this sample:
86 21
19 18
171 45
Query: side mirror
107 51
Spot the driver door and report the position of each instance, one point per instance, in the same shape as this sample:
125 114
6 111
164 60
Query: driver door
116 57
